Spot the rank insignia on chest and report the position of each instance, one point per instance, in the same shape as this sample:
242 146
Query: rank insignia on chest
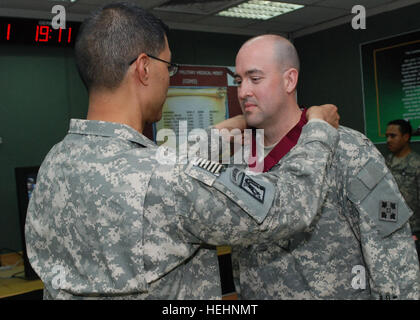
210 166
388 211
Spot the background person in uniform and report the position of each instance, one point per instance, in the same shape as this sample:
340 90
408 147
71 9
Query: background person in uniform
404 164
109 220
360 245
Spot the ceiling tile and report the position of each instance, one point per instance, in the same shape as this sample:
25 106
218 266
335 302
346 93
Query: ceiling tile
348 4
299 1
27 4
311 15
175 17
143 3
224 21
90 2
202 7
149 4
275 27
314 13
82 8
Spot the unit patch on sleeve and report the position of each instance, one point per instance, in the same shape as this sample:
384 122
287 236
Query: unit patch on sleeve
246 183
388 211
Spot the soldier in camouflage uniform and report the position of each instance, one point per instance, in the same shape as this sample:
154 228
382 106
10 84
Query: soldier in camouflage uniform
109 220
360 245
404 164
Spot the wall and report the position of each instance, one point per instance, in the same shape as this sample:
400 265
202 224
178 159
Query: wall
330 63
40 91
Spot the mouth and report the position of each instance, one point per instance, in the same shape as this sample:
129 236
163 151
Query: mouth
249 106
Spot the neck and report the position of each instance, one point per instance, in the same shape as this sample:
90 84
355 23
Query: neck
281 124
115 106
403 152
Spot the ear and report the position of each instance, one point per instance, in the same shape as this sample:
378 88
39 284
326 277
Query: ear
290 79
406 137
143 69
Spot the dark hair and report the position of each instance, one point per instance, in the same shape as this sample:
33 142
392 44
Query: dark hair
405 126
111 37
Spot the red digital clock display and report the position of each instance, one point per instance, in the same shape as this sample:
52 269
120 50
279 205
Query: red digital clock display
36 32
43 34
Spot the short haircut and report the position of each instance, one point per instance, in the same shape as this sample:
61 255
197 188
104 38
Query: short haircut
405 126
287 54
111 37
284 50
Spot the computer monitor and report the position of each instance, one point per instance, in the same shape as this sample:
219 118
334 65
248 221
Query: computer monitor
25 184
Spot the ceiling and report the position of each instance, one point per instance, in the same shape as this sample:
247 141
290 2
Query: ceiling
199 15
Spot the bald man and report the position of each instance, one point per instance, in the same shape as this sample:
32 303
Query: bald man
360 244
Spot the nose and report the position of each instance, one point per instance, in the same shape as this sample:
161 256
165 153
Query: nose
244 91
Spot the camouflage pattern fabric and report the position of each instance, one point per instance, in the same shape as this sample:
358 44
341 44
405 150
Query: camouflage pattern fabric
108 220
407 175
358 247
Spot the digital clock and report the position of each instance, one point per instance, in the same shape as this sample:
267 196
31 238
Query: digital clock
37 32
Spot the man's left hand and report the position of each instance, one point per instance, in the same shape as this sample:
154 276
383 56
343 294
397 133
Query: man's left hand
326 112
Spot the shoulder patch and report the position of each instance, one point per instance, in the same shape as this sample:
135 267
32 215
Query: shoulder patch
375 194
252 193
246 183
388 211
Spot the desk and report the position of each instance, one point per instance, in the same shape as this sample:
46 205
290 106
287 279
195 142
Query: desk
16 286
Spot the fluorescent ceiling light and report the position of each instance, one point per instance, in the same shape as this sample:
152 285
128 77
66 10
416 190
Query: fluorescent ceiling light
257 9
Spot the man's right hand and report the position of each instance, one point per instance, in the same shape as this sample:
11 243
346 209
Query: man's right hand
326 112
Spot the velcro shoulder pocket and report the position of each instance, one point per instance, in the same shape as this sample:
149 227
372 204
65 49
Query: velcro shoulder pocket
251 193
376 195
200 174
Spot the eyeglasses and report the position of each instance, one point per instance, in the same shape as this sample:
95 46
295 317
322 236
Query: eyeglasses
172 67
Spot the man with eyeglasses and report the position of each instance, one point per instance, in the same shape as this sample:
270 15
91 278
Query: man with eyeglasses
108 220
172 67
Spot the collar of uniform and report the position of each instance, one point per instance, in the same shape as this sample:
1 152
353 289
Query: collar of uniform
282 147
285 144
405 162
108 129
